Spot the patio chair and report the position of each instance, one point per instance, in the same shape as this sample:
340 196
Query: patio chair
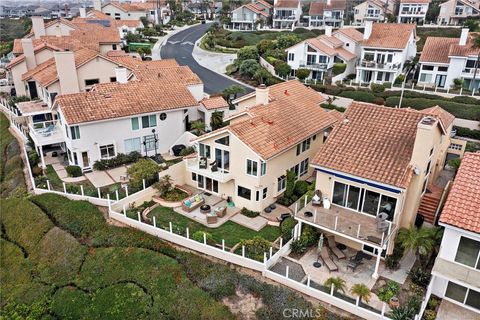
333 246
317 198
355 261
47 131
327 260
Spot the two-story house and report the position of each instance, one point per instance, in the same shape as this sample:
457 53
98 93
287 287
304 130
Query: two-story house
385 49
413 11
445 59
250 15
455 12
326 13
157 12
372 10
286 14
372 172
247 160
320 54
456 272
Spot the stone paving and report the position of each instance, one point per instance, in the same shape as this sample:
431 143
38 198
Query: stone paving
451 311
256 223
99 179
295 270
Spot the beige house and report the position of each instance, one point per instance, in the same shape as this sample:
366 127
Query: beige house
372 10
280 128
372 172
454 12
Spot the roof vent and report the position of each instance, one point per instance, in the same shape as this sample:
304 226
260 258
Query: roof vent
346 120
428 120
286 92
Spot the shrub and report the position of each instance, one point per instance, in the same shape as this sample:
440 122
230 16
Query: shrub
301 187
400 79
231 68
41 182
187 151
432 303
469 133
36 171
249 213
429 315
74 171
332 106
338 68
249 67
271 60
288 224
379 100
302 74
33 158
282 69
420 277
142 169
290 187
309 236
358 96
164 185
465 100
198 236
391 262
287 40
120 159
388 291
73 188
387 85
256 247
298 247
377 88
247 53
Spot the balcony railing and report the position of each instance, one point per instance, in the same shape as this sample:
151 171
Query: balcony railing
313 66
376 65
208 169
279 17
372 15
47 132
471 71
413 13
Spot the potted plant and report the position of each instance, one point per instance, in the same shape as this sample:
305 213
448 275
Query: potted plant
394 302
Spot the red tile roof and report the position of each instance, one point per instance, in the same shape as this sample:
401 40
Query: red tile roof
436 49
213 103
390 35
287 4
462 208
415 1
445 117
351 33
318 7
373 142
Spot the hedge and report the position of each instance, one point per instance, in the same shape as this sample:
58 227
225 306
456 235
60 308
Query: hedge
469 133
332 107
330 89
459 110
359 96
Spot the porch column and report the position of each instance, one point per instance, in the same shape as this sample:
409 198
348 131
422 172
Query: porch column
40 150
377 264
299 229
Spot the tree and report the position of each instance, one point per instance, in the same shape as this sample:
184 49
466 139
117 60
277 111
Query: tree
198 126
421 241
361 291
164 185
265 45
216 120
262 75
230 93
285 41
246 53
337 283
142 169
471 24
290 187
475 45
302 74
249 67
282 69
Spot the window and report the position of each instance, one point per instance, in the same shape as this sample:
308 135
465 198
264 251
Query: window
281 183
107 151
113 79
163 116
200 181
257 195
204 150
52 96
311 59
75 131
296 169
304 167
91 82
264 193
370 204
353 197
291 56
339 193
75 158
430 68
114 47
149 142
463 295
135 125
66 131
225 141
303 146
149 121
244 193
252 167
133 144
263 168
425 77
443 69
468 252
194 176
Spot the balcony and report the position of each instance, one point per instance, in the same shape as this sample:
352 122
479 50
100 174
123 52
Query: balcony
285 18
210 171
348 223
45 133
314 66
379 66
469 72
413 13
372 16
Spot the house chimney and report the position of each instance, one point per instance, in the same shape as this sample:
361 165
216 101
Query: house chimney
261 94
67 72
38 26
83 12
121 74
463 37
97 5
328 31
28 52
368 30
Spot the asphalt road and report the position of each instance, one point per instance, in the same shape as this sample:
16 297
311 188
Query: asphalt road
180 47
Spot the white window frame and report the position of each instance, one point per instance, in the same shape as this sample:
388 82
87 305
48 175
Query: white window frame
107 146
254 166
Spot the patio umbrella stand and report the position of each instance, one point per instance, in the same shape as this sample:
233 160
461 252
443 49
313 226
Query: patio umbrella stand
317 264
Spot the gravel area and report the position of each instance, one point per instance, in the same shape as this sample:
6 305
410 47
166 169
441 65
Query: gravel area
295 270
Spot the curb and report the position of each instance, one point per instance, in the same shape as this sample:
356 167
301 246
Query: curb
164 39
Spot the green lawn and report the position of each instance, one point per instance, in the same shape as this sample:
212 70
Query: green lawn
230 231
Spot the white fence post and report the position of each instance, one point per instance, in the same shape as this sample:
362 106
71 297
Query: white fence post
223 244
64 188
271 252
383 309
170 226
138 216
315 216
296 208
81 190
124 210
243 251
116 194
159 176
204 238
358 230
154 221
461 90
281 242
188 233
143 183
331 290
48 185
305 204
126 190
99 194
286 272
473 92
336 222
358 301
109 204
308 281
264 258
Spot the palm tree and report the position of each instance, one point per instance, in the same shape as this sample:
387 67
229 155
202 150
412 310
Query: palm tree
475 45
421 241
361 291
216 120
337 283
198 126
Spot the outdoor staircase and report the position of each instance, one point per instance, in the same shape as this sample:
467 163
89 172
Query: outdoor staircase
430 202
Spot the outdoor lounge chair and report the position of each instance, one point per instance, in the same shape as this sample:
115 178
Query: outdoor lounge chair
355 261
317 198
327 260
333 246
47 131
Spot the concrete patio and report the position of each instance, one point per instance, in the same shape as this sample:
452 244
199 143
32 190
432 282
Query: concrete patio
450 311
99 178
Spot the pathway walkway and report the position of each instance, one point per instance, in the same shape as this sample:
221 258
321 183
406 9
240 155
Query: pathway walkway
401 274
256 223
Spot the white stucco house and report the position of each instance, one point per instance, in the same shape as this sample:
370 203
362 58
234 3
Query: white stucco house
326 13
250 15
413 11
320 54
455 12
445 59
372 10
286 13
456 273
384 50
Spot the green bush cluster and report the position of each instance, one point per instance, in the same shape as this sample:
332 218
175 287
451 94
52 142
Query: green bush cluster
256 247
308 238
74 171
120 159
388 291
338 68
332 106
469 133
249 213
359 96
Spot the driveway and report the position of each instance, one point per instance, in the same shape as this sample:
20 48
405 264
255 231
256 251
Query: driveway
180 47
